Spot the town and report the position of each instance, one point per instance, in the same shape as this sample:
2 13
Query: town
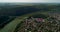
39 24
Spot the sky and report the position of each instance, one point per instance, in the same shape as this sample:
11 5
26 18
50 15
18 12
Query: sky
32 1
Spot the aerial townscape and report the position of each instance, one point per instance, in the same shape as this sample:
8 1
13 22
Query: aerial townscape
39 24
29 17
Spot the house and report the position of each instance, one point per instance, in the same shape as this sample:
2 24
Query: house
39 19
30 19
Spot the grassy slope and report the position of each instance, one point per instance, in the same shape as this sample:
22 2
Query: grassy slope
11 26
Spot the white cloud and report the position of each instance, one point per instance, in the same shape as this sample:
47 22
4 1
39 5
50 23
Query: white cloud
29 0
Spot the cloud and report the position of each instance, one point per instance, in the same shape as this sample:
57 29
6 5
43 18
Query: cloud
29 0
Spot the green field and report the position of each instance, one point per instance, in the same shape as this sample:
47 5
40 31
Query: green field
12 25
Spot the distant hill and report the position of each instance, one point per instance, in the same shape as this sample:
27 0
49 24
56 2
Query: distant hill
17 9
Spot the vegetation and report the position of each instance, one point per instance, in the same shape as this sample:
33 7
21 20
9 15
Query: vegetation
18 10
5 20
